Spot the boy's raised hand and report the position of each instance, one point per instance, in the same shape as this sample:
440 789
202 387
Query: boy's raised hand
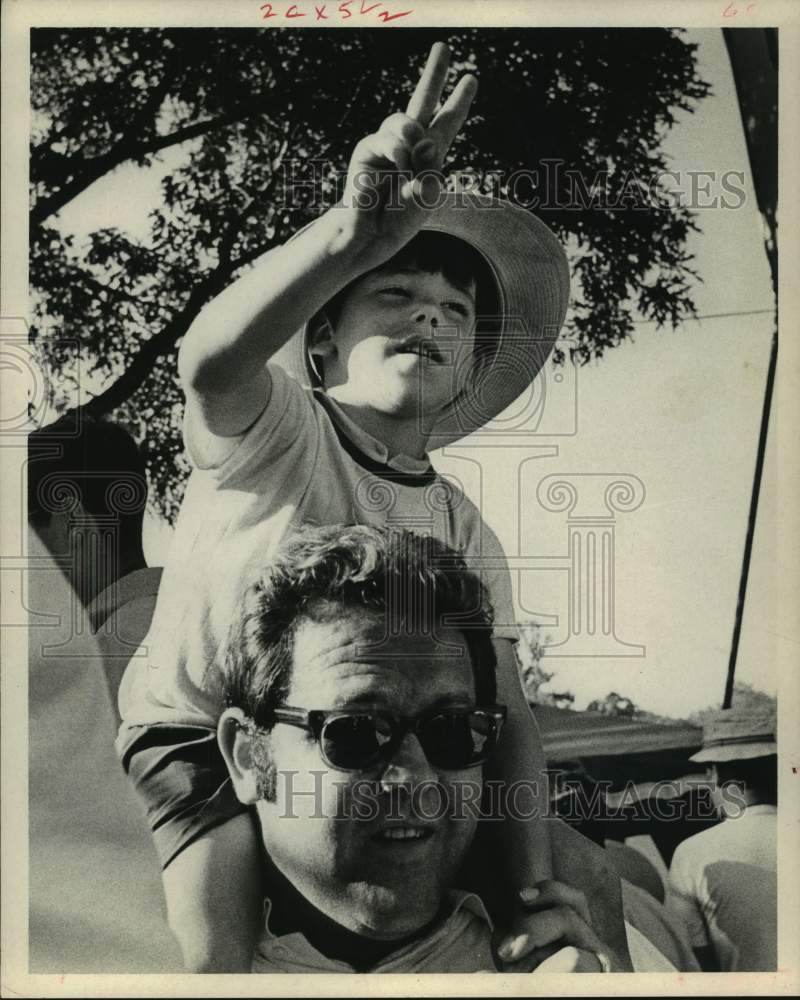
394 177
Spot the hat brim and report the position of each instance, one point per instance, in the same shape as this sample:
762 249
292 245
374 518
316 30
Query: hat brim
735 751
532 275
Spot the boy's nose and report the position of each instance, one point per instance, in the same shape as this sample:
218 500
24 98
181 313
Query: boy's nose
427 314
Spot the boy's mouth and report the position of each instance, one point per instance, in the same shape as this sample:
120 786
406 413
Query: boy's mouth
423 347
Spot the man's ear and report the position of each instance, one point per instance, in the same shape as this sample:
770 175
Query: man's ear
235 743
321 345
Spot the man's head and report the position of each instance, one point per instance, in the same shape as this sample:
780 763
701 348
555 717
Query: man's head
403 337
87 493
740 750
749 782
369 804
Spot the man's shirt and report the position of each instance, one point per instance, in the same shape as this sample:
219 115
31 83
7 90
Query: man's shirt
723 887
302 462
460 942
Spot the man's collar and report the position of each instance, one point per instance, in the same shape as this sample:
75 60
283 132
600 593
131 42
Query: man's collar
369 445
761 807
294 950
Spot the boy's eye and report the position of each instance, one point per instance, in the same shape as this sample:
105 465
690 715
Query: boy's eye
396 290
456 307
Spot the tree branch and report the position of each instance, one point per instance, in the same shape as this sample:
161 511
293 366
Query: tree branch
156 347
86 172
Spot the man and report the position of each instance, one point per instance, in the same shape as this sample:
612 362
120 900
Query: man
87 492
361 683
723 881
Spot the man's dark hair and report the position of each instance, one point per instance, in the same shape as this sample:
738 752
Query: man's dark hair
440 253
96 462
758 775
414 581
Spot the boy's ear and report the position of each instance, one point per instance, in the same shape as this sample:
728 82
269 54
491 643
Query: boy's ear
321 345
320 338
235 744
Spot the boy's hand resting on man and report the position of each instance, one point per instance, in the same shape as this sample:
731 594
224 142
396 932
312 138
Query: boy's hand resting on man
394 178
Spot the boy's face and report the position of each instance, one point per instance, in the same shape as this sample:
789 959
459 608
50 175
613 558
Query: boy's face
403 343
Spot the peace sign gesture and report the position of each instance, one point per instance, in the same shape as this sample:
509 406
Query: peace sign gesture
394 175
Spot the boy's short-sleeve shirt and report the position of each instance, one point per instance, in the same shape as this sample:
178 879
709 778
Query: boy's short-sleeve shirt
294 466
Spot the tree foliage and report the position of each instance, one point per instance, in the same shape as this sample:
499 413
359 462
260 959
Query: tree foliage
243 113
530 651
745 698
615 705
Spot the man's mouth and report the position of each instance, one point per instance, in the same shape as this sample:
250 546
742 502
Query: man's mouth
404 833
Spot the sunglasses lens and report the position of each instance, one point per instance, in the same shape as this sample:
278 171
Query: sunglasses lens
454 740
353 742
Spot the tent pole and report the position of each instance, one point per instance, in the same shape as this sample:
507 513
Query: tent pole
753 55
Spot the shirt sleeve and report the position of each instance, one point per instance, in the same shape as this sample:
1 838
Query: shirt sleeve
683 902
484 555
240 462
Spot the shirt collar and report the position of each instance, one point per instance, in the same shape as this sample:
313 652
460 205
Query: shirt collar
761 807
294 949
371 446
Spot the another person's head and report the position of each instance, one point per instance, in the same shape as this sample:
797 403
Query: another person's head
87 493
349 632
740 751
403 337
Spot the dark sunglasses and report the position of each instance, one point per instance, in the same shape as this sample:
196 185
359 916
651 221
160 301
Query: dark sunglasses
359 739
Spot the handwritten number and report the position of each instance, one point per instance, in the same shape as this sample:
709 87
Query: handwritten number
343 9
385 16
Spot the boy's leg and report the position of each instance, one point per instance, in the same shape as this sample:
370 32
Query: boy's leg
543 847
215 898
519 764
206 841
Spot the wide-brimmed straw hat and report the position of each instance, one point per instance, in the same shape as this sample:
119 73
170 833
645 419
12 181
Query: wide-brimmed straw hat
733 734
531 273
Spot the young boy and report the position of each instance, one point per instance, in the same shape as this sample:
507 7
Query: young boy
385 291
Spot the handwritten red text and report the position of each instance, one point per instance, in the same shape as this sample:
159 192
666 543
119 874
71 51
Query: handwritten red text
332 11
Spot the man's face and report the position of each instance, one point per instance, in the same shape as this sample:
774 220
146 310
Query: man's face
403 342
382 874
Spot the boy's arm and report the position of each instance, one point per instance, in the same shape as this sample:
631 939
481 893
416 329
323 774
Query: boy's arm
223 355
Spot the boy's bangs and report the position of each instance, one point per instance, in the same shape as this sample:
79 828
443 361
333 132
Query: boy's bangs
440 253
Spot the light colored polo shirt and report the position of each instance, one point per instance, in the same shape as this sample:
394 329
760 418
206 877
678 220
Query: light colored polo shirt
460 942
302 462
723 887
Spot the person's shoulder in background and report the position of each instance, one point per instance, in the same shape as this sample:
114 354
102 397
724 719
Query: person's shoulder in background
95 903
652 920
120 618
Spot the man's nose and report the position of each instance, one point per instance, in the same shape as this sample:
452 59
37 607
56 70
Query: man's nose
408 764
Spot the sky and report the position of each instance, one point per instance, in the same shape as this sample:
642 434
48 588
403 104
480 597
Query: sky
680 412
674 413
